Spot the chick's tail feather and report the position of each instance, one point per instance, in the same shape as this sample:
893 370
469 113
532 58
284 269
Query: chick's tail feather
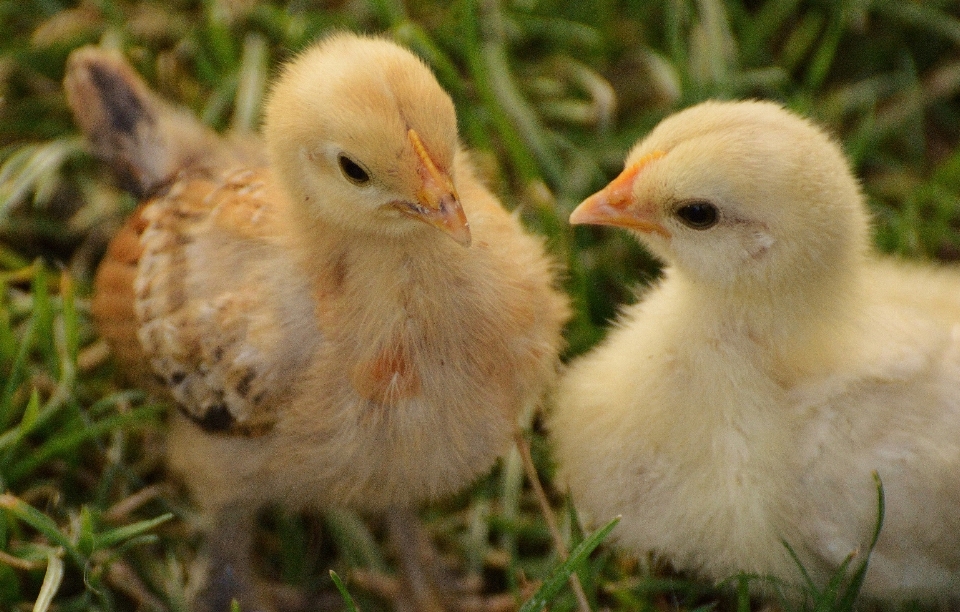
146 140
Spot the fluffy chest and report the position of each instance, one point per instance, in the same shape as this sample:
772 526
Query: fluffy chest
398 330
719 422
691 446
413 390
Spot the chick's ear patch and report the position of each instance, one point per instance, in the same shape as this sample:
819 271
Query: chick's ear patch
761 241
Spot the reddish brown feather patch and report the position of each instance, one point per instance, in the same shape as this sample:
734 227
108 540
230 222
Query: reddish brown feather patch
114 296
113 300
388 378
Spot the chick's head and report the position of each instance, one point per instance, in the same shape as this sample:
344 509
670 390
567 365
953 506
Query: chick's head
730 192
362 136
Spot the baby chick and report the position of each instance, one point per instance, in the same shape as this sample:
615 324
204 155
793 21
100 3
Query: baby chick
344 316
750 395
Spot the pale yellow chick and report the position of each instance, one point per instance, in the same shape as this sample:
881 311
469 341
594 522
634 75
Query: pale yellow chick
749 396
355 321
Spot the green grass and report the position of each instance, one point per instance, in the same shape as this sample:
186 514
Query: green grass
84 524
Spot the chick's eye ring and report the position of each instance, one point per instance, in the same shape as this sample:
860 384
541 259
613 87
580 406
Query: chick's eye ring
699 215
353 171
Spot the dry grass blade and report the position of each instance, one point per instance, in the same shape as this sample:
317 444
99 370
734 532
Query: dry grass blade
523 446
51 582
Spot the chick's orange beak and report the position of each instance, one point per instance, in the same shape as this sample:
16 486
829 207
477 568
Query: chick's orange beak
437 201
612 204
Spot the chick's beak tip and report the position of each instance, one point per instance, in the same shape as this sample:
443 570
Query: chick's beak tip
453 221
439 203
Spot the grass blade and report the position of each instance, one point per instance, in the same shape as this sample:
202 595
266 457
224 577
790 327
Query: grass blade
549 589
71 326
42 523
347 599
251 83
17 373
71 439
127 532
51 582
353 537
849 596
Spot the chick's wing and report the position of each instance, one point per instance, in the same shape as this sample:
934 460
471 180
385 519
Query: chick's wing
196 286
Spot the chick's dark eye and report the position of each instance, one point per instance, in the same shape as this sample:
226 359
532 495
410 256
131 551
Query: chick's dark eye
352 170
698 215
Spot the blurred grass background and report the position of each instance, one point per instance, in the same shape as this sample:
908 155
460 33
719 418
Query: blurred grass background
550 94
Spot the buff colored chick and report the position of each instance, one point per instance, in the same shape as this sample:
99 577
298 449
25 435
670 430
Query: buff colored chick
748 397
344 315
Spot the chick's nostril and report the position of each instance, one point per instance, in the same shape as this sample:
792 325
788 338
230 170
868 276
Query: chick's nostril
447 201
